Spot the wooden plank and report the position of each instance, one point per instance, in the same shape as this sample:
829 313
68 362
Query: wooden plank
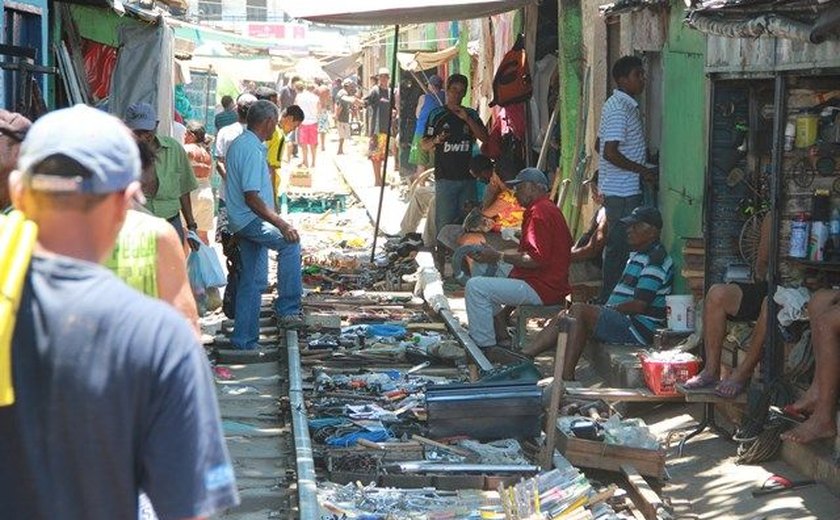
644 497
627 395
546 455
600 455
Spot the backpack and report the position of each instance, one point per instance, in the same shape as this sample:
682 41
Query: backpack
512 82
17 241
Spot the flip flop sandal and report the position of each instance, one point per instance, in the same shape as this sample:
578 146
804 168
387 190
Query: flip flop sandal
782 415
698 382
791 412
729 389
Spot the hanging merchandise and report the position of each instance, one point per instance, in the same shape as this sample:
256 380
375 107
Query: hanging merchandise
512 82
100 60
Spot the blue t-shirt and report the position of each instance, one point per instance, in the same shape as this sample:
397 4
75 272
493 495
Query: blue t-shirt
247 170
648 277
113 395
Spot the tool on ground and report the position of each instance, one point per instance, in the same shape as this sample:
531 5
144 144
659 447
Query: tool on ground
778 483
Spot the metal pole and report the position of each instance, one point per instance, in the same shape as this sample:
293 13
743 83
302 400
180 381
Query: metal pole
387 140
773 351
307 490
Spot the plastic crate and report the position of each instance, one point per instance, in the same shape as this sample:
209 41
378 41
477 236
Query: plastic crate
663 376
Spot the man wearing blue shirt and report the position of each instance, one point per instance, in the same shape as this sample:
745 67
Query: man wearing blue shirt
636 306
623 150
252 219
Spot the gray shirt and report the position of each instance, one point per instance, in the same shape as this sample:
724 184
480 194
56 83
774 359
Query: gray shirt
113 394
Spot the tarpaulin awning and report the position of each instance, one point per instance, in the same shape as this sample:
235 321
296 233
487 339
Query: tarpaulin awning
399 12
423 60
343 66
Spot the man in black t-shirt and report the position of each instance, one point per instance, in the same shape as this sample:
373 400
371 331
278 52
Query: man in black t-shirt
379 101
452 131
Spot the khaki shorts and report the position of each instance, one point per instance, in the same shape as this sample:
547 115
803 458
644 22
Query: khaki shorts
343 130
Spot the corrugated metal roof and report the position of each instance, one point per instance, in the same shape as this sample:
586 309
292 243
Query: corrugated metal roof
626 6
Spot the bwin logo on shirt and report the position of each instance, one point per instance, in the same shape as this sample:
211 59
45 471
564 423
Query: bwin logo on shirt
463 146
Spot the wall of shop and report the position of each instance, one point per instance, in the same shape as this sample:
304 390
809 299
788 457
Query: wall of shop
30 29
683 145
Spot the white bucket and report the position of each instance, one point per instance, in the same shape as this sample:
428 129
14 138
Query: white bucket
680 312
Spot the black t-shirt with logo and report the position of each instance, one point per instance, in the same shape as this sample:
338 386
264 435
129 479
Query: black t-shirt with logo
379 100
452 156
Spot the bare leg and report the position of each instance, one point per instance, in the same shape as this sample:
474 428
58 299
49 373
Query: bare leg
585 317
204 237
323 138
732 385
340 147
826 340
722 300
820 303
305 155
377 171
545 339
314 148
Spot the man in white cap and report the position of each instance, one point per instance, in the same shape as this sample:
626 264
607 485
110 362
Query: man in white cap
345 100
168 194
540 274
379 101
113 392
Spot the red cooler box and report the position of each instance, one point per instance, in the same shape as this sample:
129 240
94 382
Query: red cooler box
663 376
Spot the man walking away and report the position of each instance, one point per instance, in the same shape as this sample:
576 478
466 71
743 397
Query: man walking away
252 218
175 179
623 153
113 392
345 100
228 114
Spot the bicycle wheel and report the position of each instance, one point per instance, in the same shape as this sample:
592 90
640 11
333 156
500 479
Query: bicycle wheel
750 237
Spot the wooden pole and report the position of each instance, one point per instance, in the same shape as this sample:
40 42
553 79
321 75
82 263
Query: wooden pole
557 390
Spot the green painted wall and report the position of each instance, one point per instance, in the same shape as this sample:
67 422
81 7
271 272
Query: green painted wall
100 25
571 70
683 150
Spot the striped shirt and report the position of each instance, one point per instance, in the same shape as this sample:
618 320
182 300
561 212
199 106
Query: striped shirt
621 120
648 277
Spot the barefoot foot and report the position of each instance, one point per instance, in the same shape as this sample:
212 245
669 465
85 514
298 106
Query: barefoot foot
811 430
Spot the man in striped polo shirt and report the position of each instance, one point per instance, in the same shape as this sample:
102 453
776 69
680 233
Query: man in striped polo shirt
623 151
636 306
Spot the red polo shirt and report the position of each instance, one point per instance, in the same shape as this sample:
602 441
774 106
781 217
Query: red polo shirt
546 239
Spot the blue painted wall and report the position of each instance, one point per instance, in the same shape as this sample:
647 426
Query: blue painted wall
35 34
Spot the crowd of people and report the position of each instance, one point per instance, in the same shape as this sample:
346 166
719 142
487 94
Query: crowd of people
118 204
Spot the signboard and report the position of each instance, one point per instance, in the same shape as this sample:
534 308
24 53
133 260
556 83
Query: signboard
276 31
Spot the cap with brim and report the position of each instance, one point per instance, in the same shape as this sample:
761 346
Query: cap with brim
141 116
383 71
246 100
13 125
644 214
529 175
99 142
436 81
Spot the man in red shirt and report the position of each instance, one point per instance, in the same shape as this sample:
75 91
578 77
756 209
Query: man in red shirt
540 274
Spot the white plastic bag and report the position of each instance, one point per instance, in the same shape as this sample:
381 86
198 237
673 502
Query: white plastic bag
205 270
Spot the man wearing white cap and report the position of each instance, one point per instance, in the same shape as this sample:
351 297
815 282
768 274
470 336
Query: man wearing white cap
379 101
113 392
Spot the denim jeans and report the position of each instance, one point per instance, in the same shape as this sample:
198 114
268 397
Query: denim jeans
616 250
450 199
254 240
484 298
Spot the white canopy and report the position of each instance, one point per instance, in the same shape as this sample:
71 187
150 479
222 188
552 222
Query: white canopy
398 12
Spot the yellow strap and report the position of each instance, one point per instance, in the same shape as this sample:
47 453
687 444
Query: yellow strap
17 241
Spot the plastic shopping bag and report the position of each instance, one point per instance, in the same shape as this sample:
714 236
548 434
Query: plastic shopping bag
204 269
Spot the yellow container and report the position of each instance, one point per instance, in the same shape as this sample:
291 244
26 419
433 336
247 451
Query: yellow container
806 130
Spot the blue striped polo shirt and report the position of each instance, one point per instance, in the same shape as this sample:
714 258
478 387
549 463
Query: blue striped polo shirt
621 120
648 277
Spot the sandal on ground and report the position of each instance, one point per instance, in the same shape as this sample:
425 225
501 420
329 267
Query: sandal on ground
699 382
792 412
729 389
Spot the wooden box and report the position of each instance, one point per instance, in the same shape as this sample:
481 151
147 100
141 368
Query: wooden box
600 455
300 178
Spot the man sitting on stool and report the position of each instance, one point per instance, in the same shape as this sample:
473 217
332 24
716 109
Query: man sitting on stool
540 274
636 306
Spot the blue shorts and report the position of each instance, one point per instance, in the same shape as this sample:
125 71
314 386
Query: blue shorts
614 327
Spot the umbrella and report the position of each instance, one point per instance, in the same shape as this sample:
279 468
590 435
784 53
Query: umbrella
397 12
